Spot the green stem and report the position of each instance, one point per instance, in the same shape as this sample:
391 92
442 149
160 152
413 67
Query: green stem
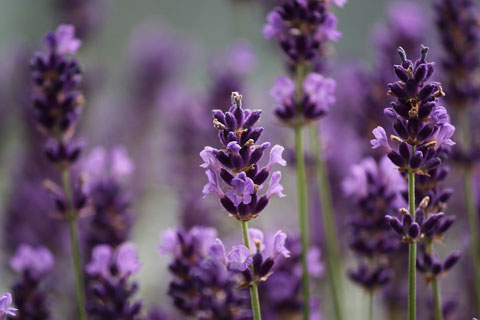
77 264
370 305
302 194
412 250
332 257
471 208
257 315
437 301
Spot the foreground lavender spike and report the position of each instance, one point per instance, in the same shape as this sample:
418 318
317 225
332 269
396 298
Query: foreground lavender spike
457 23
58 102
234 173
32 265
202 287
110 286
421 128
5 309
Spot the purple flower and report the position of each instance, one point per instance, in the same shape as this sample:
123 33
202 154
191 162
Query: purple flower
239 258
65 40
318 95
242 191
279 245
381 140
101 261
320 90
36 261
301 28
234 173
5 310
274 25
202 281
443 135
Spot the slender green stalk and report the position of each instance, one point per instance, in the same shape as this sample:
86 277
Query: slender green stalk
302 191
437 301
471 208
370 305
77 264
412 250
332 257
257 315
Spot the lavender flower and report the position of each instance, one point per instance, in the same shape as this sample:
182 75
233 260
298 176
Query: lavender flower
5 310
318 95
457 22
233 173
376 190
281 294
239 258
32 264
412 115
301 28
57 100
109 285
202 286
110 201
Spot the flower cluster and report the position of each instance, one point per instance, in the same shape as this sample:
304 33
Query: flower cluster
202 286
281 295
376 190
413 230
302 27
422 127
110 202
57 98
5 309
457 21
317 95
32 264
431 266
241 177
110 290
262 258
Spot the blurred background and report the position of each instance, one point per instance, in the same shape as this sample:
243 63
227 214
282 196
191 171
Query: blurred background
190 43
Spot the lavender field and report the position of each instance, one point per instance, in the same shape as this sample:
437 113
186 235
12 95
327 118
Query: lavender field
240 160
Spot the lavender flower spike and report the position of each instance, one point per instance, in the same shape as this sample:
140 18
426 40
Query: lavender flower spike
32 266
5 310
234 173
110 271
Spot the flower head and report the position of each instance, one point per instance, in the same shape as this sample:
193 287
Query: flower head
36 261
5 309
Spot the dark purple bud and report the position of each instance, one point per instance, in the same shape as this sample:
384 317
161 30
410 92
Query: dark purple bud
252 118
430 223
445 224
436 267
257 262
247 275
266 267
416 160
262 203
451 260
401 73
395 224
396 159
420 73
228 205
414 230
404 150
432 163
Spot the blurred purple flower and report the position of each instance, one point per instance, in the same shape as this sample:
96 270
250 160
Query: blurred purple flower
5 309
35 261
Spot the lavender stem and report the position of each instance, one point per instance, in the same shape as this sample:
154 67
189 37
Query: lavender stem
412 250
77 265
302 193
329 229
257 315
